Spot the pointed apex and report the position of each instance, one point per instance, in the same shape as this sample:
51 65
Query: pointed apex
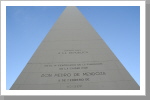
74 57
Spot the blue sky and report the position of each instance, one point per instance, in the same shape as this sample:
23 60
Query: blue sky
27 26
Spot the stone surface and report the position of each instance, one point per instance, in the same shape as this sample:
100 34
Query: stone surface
74 57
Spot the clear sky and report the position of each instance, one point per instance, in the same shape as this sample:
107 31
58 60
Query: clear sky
27 26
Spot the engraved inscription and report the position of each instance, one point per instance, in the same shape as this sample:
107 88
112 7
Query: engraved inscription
93 73
62 75
73 74
74 86
72 68
68 73
73 52
73 64
73 80
46 75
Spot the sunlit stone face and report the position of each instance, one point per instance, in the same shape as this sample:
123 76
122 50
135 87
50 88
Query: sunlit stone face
74 57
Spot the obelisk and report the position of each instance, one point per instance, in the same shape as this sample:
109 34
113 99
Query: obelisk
73 56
